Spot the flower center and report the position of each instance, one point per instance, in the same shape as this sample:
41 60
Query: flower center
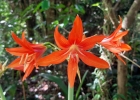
117 43
73 48
26 59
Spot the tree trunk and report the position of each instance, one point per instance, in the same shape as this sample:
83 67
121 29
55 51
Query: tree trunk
131 15
121 79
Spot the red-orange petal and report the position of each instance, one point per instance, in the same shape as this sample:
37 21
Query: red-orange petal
60 40
115 48
89 42
76 33
125 47
22 42
92 60
53 58
23 36
15 65
72 69
111 47
117 29
28 71
18 40
19 51
28 44
120 35
117 55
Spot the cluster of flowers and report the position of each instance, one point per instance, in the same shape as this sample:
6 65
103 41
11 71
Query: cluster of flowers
72 49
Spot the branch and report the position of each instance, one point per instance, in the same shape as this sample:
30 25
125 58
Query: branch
111 12
130 17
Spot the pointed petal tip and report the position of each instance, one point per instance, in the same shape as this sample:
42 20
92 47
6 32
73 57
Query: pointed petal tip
105 65
6 49
23 79
76 34
118 56
60 40
78 17
23 35
12 32
120 19
92 60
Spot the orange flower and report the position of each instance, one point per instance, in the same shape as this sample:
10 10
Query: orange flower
28 55
74 48
114 43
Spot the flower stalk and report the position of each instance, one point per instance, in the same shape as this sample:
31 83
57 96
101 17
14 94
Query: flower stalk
129 60
70 92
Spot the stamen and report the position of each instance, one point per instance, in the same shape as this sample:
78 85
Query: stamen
26 57
30 58
22 59
25 67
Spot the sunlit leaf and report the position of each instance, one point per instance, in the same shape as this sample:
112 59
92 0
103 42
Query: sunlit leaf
11 90
2 97
97 97
37 7
58 6
66 20
96 4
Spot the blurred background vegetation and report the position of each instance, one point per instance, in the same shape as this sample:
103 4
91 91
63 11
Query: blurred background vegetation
39 19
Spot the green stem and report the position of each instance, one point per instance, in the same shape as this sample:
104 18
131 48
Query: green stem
70 92
65 30
1 94
52 45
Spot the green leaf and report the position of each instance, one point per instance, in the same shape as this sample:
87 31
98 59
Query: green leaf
119 96
114 85
2 97
66 20
83 78
97 97
11 90
45 5
58 6
80 8
58 81
86 96
96 4
37 7
83 97
27 11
